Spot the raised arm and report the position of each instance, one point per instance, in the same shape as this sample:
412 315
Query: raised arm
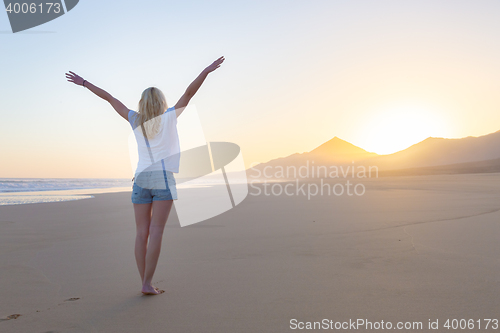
195 85
116 104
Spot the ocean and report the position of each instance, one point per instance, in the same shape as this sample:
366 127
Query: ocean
15 191
58 184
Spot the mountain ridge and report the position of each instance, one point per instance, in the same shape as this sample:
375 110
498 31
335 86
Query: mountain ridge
430 152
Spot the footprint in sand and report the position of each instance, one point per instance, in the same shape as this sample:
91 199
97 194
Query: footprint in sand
14 316
72 299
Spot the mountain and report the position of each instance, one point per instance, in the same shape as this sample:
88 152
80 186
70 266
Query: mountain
333 152
431 152
488 166
439 151
338 151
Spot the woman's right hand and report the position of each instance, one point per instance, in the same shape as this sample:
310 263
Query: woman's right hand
216 64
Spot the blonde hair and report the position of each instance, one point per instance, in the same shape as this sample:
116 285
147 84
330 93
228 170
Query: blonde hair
151 105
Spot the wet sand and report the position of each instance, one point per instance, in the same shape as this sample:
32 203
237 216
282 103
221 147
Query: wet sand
409 249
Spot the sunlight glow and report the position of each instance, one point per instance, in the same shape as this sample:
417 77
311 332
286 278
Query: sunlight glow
397 128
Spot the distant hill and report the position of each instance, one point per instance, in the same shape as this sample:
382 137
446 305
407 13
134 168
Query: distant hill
338 151
439 151
334 151
454 155
488 166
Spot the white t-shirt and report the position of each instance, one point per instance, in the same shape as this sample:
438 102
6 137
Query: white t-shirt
161 152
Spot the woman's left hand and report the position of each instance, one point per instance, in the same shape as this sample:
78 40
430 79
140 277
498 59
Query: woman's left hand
76 79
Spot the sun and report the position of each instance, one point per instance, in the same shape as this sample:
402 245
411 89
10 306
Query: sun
391 130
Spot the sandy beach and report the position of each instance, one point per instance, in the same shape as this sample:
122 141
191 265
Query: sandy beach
411 249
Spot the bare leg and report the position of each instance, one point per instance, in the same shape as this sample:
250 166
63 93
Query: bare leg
161 210
142 221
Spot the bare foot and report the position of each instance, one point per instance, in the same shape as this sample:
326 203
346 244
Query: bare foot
150 290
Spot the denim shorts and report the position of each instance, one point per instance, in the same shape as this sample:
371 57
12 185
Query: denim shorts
152 186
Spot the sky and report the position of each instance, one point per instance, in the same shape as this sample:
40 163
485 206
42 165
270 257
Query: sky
382 75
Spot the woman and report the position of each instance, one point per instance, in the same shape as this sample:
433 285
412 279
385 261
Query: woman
154 186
